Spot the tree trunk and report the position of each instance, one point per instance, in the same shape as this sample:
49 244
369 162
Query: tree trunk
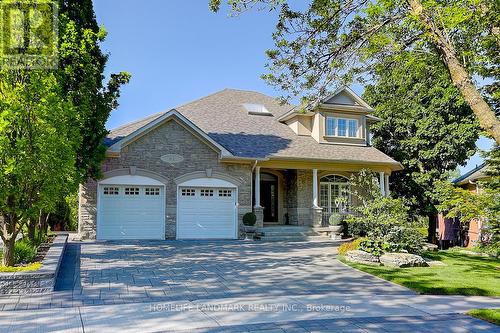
8 233
459 75
8 251
43 223
31 230
431 232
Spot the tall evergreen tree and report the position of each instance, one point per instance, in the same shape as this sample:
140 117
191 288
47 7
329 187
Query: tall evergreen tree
81 74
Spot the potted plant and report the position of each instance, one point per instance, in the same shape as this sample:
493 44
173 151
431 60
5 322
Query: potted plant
336 225
249 220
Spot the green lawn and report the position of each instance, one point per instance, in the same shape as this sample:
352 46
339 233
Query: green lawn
462 275
491 315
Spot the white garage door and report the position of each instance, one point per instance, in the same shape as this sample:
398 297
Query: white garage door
131 212
206 213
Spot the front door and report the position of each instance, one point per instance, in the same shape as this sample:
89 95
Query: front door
269 197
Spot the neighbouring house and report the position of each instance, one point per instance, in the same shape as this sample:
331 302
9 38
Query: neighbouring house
194 171
452 231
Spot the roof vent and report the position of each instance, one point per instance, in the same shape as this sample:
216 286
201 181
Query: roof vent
257 109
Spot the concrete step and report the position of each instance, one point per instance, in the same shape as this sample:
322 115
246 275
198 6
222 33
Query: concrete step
290 233
295 238
284 229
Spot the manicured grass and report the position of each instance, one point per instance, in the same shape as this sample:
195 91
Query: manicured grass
30 267
462 275
491 315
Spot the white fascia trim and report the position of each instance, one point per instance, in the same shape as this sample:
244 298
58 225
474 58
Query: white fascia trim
289 115
172 113
351 93
373 118
321 160
343 107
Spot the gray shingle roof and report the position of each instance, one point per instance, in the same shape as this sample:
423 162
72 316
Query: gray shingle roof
477 173
222 116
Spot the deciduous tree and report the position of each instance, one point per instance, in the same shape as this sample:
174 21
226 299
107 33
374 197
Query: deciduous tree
335 41
426 125
52 123
37 149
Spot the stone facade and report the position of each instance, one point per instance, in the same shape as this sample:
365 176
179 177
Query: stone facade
145 154
298 191
173 138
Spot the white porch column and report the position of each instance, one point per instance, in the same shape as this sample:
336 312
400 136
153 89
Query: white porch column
315 187
257 186
387 191
381 181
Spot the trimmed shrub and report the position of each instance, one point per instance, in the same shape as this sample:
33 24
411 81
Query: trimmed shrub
375 247
249 219
404 239
354 245
335 219
24 251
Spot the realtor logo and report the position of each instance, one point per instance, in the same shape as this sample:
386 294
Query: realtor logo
28 34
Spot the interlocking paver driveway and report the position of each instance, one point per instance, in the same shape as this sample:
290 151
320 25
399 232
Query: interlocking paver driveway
146 271
116 272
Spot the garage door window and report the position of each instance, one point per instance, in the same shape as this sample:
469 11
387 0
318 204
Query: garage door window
152 191
131 191
207 193
111 191
188 192
225 193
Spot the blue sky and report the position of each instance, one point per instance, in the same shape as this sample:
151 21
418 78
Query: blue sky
178 51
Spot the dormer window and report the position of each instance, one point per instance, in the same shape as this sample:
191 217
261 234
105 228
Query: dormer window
342 127
257 109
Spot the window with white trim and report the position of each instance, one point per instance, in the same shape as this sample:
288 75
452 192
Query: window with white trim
188 192
206 192
225 193
334 194
342 127
131 191
111 190
152 191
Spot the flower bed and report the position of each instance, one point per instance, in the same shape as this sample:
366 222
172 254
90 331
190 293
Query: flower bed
36 281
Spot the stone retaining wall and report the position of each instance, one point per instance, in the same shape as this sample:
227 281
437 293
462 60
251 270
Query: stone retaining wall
40 281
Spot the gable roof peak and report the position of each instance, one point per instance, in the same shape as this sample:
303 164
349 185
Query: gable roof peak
346 90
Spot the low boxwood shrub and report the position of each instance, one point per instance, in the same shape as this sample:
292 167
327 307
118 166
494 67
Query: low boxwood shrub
336 219
24 251
249 219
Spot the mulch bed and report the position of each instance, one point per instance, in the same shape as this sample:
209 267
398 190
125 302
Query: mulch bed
44 248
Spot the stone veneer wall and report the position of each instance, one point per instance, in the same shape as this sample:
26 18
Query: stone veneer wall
145 153
298 189
291 196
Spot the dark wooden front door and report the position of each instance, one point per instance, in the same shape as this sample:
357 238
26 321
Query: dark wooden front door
269 200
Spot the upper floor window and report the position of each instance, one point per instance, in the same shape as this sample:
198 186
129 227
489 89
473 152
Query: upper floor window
341 127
